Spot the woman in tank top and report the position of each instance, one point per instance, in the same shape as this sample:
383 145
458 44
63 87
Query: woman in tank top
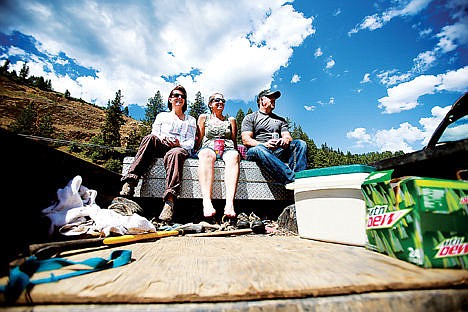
216 131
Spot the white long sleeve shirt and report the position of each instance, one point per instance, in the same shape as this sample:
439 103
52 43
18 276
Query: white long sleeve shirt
169 125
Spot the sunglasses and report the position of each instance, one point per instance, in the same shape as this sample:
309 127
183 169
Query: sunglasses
219 100
178 95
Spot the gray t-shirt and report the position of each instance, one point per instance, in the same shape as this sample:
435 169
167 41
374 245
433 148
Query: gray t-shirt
263 125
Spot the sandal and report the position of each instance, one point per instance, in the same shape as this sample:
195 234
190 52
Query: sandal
256 224
242 221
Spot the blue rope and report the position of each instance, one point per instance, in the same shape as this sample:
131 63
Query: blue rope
20 276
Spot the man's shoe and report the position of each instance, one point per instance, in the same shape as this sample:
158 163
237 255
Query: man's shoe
128 189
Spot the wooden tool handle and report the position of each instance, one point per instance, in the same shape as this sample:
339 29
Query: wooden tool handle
47 250
222 233
138 237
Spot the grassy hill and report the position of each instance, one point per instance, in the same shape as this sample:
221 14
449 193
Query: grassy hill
73 119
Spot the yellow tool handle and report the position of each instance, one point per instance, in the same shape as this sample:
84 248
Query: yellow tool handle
134 238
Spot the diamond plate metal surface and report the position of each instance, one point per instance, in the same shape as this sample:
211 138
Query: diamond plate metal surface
254 183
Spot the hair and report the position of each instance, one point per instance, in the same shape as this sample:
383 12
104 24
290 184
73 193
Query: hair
212 97
181 89
259 97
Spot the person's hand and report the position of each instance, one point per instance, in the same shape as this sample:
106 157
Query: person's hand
283 143
171 142
271 143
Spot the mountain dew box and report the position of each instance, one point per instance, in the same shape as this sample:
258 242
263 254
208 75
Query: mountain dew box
420 220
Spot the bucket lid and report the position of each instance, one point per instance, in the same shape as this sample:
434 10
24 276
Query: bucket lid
334 170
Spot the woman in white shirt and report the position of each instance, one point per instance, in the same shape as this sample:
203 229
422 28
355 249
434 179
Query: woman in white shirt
173 138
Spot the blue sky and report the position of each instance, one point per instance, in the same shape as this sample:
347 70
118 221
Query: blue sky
359 75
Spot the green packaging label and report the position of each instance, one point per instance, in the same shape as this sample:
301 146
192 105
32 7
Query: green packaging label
420 220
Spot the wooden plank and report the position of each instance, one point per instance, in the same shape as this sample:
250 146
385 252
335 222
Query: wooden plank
402 301
249 267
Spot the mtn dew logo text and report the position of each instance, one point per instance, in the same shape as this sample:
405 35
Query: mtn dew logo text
378 217
464 200
452 247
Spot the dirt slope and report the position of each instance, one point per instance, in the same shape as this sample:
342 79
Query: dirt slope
74 120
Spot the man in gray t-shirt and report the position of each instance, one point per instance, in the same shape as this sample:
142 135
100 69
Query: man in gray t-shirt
269 143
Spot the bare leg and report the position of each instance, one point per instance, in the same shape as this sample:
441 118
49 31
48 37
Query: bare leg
231 177
206 158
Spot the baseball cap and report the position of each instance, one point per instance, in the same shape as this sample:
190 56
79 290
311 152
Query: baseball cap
276 94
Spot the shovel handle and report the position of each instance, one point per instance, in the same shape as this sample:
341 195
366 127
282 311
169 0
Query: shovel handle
137 237
46 250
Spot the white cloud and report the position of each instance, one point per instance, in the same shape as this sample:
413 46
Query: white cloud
398 139
429 124
455 80
389 78
133 45
360 135
450 38
366 78
452 35
309 108
16 51
402 138
376 21
61 61
405 95
425 32
295 78
423 61
330 63
330 101
318 52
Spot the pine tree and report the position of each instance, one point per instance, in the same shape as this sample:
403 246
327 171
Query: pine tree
113 121
48 86
14 75
298 133
198 107
25 123
154 106
5 67
30 123
24 72
45 127
125 111
133 140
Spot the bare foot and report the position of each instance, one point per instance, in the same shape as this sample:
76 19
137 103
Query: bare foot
229 210
208 209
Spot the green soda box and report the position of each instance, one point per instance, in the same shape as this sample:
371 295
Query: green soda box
420 220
